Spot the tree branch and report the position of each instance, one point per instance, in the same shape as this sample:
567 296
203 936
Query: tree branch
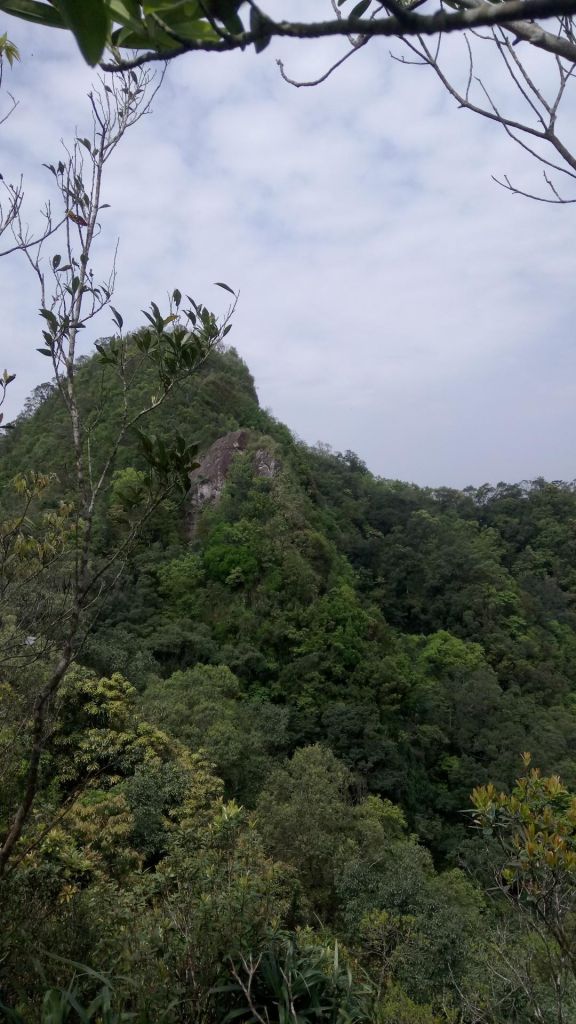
476 14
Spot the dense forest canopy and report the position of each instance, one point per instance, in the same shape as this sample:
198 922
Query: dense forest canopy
281 742
254 799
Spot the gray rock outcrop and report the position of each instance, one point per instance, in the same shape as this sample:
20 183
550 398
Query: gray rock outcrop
208 479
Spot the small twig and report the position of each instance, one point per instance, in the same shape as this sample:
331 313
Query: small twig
506 183
318 81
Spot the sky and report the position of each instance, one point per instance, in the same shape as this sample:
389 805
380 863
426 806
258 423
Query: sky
394 300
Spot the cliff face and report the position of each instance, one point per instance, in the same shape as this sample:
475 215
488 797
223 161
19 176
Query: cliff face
208 479
265 464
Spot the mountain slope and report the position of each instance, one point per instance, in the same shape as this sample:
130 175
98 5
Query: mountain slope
427 636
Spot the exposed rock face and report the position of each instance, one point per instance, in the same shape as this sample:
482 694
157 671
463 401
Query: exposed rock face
265 464
208 480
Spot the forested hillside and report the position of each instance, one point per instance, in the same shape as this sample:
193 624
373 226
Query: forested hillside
255 796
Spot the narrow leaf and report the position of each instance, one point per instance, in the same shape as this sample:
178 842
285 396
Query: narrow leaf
360 9
118 320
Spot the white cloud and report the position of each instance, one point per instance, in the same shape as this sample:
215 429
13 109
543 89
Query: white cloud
394 300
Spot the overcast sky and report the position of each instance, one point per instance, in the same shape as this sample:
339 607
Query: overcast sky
394 300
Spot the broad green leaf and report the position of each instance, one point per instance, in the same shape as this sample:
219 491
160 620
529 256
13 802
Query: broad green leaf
126 38
125 11
90 23
32 10
170 11
200 30
130 38
150 6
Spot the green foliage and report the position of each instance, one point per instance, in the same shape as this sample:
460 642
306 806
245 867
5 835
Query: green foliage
89 23
167 28
10 51
308 818
61 1005
265 754
222 895
203 707
536 827
127 493
398 1008
98 733
126 23
230 556
306 814
409 924
295 979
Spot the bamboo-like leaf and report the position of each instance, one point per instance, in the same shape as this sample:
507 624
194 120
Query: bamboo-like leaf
226 287
118 319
